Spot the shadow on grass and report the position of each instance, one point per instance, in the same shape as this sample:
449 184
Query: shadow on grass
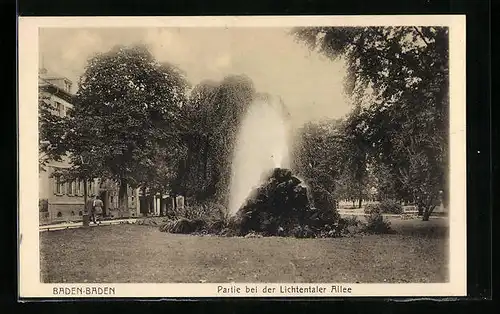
435 228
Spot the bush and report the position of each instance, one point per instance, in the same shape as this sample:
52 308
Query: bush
183 225
385 207
284 206
376 222
201 218
369 208
209 212
352 221
391 207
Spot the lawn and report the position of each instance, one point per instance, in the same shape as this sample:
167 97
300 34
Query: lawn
134 253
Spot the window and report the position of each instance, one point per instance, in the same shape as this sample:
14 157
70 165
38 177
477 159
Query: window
71 186
58 185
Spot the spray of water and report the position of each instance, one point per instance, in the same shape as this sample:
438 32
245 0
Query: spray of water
262 144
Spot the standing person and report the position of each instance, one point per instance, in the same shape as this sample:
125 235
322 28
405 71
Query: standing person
98 205
89 207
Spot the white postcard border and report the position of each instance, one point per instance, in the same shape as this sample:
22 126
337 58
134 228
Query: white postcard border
29 257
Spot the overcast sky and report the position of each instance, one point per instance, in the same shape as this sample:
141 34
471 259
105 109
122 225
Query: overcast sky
309 84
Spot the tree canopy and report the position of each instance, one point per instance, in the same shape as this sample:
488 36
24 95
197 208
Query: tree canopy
127 109
214 113
398 80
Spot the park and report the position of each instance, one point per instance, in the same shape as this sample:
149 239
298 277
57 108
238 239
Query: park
418 252
269 194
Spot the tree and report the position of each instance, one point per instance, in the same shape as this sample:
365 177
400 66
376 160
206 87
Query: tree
127 107
214 113
319 156
231 101
52 131
406 69
197 172
356 148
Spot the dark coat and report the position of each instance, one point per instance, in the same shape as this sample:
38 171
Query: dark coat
89 207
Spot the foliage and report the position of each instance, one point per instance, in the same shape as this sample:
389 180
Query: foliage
375 221
208 218
43 205
398 80
390 207
354 178
126 113
52 131
282 206
354 226
385 207
319 155
214 112
206 211
183 225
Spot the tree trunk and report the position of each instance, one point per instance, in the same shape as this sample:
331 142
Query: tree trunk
360 202
85 194
427 213
123 196
420 210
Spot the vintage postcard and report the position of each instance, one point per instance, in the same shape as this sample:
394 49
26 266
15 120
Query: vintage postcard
291 156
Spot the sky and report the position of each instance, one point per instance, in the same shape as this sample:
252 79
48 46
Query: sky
309 84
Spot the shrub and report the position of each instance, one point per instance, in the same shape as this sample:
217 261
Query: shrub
369 208
385 207
352 221
284 206
209 212
353 226
201 218
376 222
391 207
183 225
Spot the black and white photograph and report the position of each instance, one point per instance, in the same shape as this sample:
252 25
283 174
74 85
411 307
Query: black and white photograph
242 157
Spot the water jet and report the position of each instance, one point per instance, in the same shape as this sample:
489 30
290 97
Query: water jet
262 144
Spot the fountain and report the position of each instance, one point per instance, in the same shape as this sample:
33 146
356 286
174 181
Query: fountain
265 196
262 145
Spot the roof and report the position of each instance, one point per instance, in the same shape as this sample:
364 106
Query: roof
49 75
56 91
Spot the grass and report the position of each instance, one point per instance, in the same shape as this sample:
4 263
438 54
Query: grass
133 253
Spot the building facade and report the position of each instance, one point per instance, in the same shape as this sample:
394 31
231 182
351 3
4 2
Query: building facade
64 201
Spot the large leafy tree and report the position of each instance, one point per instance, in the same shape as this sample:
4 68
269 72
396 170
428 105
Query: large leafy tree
52 131
231 101
214 113
319 156
126 109
405 71
356 150
196 172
